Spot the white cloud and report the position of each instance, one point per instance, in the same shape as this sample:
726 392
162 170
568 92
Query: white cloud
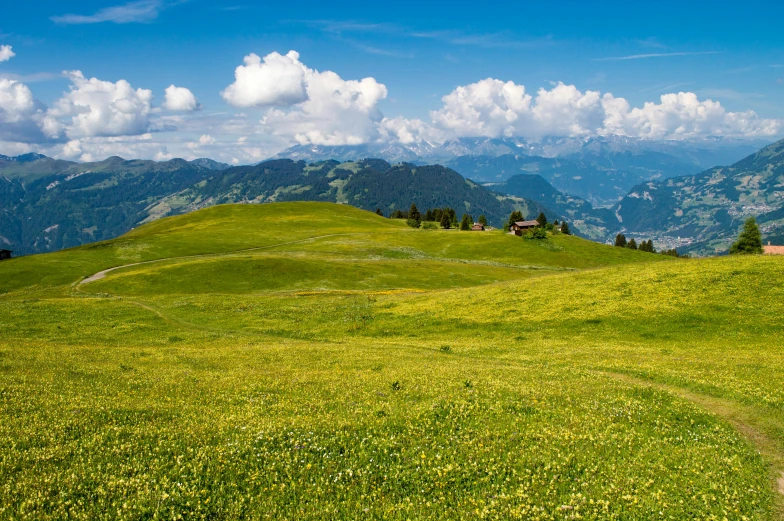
23 118
6 53
492 108
140 11
94 107
180 99
307 105
278 80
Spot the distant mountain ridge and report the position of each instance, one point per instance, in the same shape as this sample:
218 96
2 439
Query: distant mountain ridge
599 169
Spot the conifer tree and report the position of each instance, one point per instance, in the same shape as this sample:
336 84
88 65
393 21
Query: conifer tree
446 222
632 244
483 220
515 216
413 213
465 222
379 212
565 228
749 241
542 220
620 240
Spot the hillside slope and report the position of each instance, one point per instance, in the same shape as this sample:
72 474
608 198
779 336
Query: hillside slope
309 361
318 231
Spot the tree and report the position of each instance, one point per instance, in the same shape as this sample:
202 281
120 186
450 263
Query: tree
414 223
429 215
465 222
565 228
397 214
515 216
542 220
620 240
483 220
555 222
632 244
379 212
749 241
536 233
446 222
413 213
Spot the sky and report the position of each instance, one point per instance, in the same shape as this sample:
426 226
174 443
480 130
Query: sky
240 81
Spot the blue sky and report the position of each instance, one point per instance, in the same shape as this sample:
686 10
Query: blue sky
418 51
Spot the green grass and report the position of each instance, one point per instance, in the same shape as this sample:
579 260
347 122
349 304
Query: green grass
384 373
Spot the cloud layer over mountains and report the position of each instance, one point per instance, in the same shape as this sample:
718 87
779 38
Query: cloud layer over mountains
285 102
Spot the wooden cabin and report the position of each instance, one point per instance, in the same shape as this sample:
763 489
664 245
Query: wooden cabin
478 227
5 254
519 227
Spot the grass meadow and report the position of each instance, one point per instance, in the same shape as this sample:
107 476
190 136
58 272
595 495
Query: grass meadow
313 361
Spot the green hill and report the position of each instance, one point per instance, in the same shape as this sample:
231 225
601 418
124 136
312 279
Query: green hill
316 361
320 230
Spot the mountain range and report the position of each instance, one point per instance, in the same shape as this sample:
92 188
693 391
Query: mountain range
48 204
599 169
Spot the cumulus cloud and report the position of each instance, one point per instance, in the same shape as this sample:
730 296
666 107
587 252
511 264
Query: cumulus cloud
23 118
307 105
180 99
93 107
275 80
6 53
493 108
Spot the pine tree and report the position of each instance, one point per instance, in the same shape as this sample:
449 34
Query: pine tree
413 213
542 220
465 222
632 244
555 222
483 220
446 222
749 241
620 240
515 216
565 228
429 215
379 212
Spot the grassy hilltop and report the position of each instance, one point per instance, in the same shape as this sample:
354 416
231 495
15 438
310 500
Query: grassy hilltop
314 361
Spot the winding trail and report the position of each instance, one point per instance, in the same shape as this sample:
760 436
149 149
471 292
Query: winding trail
757 429
102 274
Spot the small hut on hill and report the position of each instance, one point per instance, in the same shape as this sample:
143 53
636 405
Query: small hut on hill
518 227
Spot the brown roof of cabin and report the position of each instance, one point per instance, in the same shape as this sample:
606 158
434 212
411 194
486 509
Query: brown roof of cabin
773 250
524 224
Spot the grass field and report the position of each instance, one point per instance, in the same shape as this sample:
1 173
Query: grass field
312 361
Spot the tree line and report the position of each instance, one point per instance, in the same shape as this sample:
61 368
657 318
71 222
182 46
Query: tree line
445 217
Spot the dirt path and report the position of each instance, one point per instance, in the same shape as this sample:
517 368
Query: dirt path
102 274
757 429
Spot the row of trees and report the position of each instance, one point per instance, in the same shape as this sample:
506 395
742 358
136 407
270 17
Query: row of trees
647 246
446 217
